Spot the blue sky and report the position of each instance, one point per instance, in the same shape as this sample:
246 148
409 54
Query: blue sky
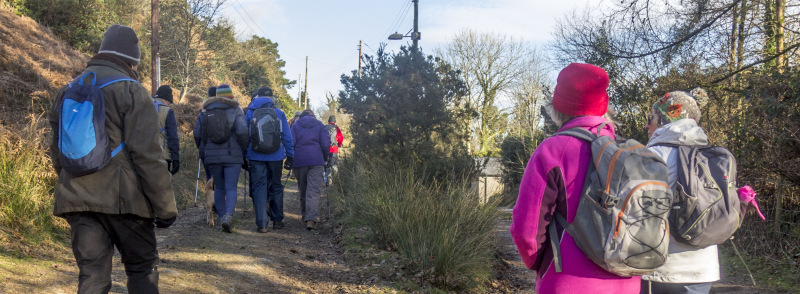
328 31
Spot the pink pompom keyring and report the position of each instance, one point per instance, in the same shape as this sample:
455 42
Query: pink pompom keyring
747 194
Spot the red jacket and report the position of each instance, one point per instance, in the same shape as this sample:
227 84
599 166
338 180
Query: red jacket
339 139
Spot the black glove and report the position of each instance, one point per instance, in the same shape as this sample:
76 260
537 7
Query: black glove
288 163
174 166
245 166
164 223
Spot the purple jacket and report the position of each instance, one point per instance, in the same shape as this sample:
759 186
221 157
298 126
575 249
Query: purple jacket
311 142
553 180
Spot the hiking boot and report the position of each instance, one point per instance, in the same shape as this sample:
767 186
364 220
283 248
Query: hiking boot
261 230
226 224
277 225
311 225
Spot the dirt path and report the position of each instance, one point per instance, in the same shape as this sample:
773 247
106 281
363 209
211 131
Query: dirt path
199 259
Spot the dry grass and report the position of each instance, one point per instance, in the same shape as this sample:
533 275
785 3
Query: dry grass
34 64
27 224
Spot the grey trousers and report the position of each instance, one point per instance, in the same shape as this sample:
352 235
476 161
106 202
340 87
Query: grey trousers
309 182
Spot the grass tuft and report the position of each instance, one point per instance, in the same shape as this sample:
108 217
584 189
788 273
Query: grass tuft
441 231
26 187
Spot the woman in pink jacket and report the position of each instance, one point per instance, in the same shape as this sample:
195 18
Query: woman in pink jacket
553 181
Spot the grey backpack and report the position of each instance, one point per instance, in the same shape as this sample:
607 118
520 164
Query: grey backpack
706 205
332 134
621 221
265 130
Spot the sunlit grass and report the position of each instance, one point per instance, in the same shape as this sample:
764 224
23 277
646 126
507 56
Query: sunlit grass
442 231
26 188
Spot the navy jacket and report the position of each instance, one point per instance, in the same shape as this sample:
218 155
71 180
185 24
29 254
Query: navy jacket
231 152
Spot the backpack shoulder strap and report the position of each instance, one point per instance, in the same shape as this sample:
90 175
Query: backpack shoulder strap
79 79
579 133
555 241
113 79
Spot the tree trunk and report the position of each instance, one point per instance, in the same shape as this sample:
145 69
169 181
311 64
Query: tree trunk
769 32
740 45
780 8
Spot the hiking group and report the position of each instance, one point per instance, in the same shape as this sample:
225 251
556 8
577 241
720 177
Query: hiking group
114 149
599 214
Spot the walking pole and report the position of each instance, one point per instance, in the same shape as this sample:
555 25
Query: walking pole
244 197
287 178
197 182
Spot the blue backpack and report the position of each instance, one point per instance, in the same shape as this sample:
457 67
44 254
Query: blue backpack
82 137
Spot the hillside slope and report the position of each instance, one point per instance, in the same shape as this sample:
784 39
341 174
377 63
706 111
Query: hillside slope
34 64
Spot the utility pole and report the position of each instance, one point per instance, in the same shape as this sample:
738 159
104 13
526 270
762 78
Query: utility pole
155 72
305 94
359 57
299 91
415 37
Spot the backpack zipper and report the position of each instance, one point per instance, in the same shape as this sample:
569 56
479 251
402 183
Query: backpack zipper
708 174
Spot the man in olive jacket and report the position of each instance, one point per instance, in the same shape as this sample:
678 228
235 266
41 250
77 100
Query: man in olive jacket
117 205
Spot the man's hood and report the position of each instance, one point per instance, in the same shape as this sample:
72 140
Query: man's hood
680 132
261 101
227 102
308 121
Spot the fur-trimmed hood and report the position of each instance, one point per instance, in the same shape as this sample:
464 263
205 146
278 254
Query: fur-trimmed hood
223 100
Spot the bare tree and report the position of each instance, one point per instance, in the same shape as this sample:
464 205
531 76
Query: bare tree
527 96
183 52
490 65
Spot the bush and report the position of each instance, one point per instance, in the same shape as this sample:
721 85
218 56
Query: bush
401 112
442 231
26 188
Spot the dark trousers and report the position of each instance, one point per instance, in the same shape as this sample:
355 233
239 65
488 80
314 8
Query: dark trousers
267 191
94 236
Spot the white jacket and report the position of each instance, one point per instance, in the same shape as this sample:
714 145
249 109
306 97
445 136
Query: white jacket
684 264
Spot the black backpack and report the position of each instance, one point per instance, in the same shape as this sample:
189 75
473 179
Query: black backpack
217 126
265 130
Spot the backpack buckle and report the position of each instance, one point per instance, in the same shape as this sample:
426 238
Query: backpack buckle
608 200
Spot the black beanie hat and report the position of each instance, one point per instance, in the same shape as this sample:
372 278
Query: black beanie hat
212 91
121 41
264 91
332 119
164 92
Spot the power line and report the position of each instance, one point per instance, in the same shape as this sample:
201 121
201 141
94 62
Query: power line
251 19
403 18
398 18
242 16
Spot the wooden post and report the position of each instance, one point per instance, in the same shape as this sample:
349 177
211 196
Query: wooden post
778 207
305 88
299 93
359 57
